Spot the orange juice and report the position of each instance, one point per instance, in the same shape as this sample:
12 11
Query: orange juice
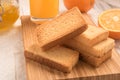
44 8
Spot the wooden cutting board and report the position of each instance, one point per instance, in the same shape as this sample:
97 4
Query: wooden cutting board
109 70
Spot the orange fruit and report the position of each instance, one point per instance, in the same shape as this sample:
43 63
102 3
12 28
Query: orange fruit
110 20
83 5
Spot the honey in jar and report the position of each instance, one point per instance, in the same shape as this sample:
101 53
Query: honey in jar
9 13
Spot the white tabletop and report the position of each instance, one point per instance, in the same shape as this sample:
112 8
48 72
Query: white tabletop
11 45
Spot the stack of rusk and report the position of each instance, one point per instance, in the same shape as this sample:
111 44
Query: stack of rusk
47 49
94 45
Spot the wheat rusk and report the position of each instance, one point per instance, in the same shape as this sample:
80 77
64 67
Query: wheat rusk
94 55
58 57
95 61
93 35
60 29
97 50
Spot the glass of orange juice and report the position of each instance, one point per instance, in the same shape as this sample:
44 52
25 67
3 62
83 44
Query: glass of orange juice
42 10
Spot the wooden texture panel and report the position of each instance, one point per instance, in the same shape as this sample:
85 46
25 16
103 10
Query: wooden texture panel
109 70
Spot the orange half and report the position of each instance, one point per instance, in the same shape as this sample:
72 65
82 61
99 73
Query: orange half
110 20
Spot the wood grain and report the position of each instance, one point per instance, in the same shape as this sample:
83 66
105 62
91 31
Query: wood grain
109 70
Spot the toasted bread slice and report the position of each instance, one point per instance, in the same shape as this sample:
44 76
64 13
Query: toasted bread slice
58 57
92 35
63 27
94 61
97 50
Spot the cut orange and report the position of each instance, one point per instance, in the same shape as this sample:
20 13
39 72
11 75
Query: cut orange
110 20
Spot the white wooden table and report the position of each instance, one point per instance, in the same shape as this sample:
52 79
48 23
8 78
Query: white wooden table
11 45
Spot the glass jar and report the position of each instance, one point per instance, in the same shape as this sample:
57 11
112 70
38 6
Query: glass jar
9 13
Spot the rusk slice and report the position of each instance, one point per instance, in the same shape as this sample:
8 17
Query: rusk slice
92 35
58 57
97 50
63 27
94 61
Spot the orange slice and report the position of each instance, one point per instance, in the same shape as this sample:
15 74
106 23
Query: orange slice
110 20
